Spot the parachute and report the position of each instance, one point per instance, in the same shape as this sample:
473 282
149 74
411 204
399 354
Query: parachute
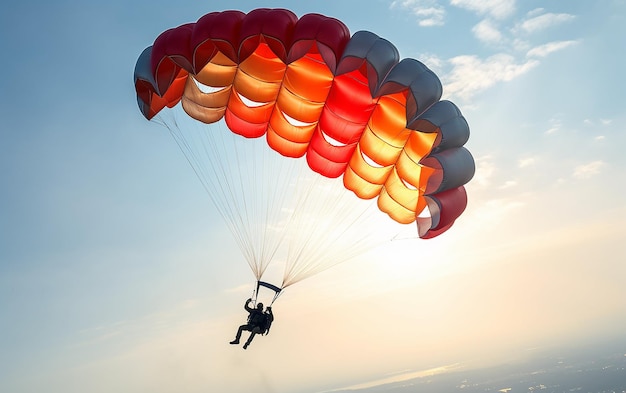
304 92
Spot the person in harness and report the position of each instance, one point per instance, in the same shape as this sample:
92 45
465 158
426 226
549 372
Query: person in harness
259 321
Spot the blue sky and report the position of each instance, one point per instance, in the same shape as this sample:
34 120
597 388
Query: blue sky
116 274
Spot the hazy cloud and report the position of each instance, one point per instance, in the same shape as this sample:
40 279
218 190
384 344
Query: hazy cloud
404 376
498 9
554 127
520 45
431 13
432 16
536 11
508 184
545 49
428 12
487 32
603 122
434 62
496 210
541 22
467 75
588 170
471 75
526 162
485 169
239 289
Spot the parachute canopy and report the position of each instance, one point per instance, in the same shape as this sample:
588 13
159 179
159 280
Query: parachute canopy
346 103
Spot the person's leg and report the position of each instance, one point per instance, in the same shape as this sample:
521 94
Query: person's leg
253 333
239 331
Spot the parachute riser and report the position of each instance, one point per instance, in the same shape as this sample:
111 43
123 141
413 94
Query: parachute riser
259 284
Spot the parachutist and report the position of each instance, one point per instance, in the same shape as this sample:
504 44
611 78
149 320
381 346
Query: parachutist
259 321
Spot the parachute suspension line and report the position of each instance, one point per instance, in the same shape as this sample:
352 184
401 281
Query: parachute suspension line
207 152
241 165
199 145
298 249
274 204
241 208
265 208
246 180
254 295
330 225
231 201
275 298
259 213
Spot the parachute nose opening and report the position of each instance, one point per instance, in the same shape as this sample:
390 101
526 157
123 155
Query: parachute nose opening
332 141
206 89
249 103
370 161
295 122
408 185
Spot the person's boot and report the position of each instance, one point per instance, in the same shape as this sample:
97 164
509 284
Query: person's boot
235 341
245 346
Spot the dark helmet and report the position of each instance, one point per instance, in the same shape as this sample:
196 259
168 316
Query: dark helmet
259 306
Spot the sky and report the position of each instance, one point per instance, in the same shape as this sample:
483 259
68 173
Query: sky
117 274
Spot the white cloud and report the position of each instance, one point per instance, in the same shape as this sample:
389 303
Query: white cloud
508 184
433 16
404 376
536 11
493 211
555 126
520 45
428 12
603 122
526 162
498 9
588 170
434 62
546 49
485 169
472 75
554 129
544 21
487 32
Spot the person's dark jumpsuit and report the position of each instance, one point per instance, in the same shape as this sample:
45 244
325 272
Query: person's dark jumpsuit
257 322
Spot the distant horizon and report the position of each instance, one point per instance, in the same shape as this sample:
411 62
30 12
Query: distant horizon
535 363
